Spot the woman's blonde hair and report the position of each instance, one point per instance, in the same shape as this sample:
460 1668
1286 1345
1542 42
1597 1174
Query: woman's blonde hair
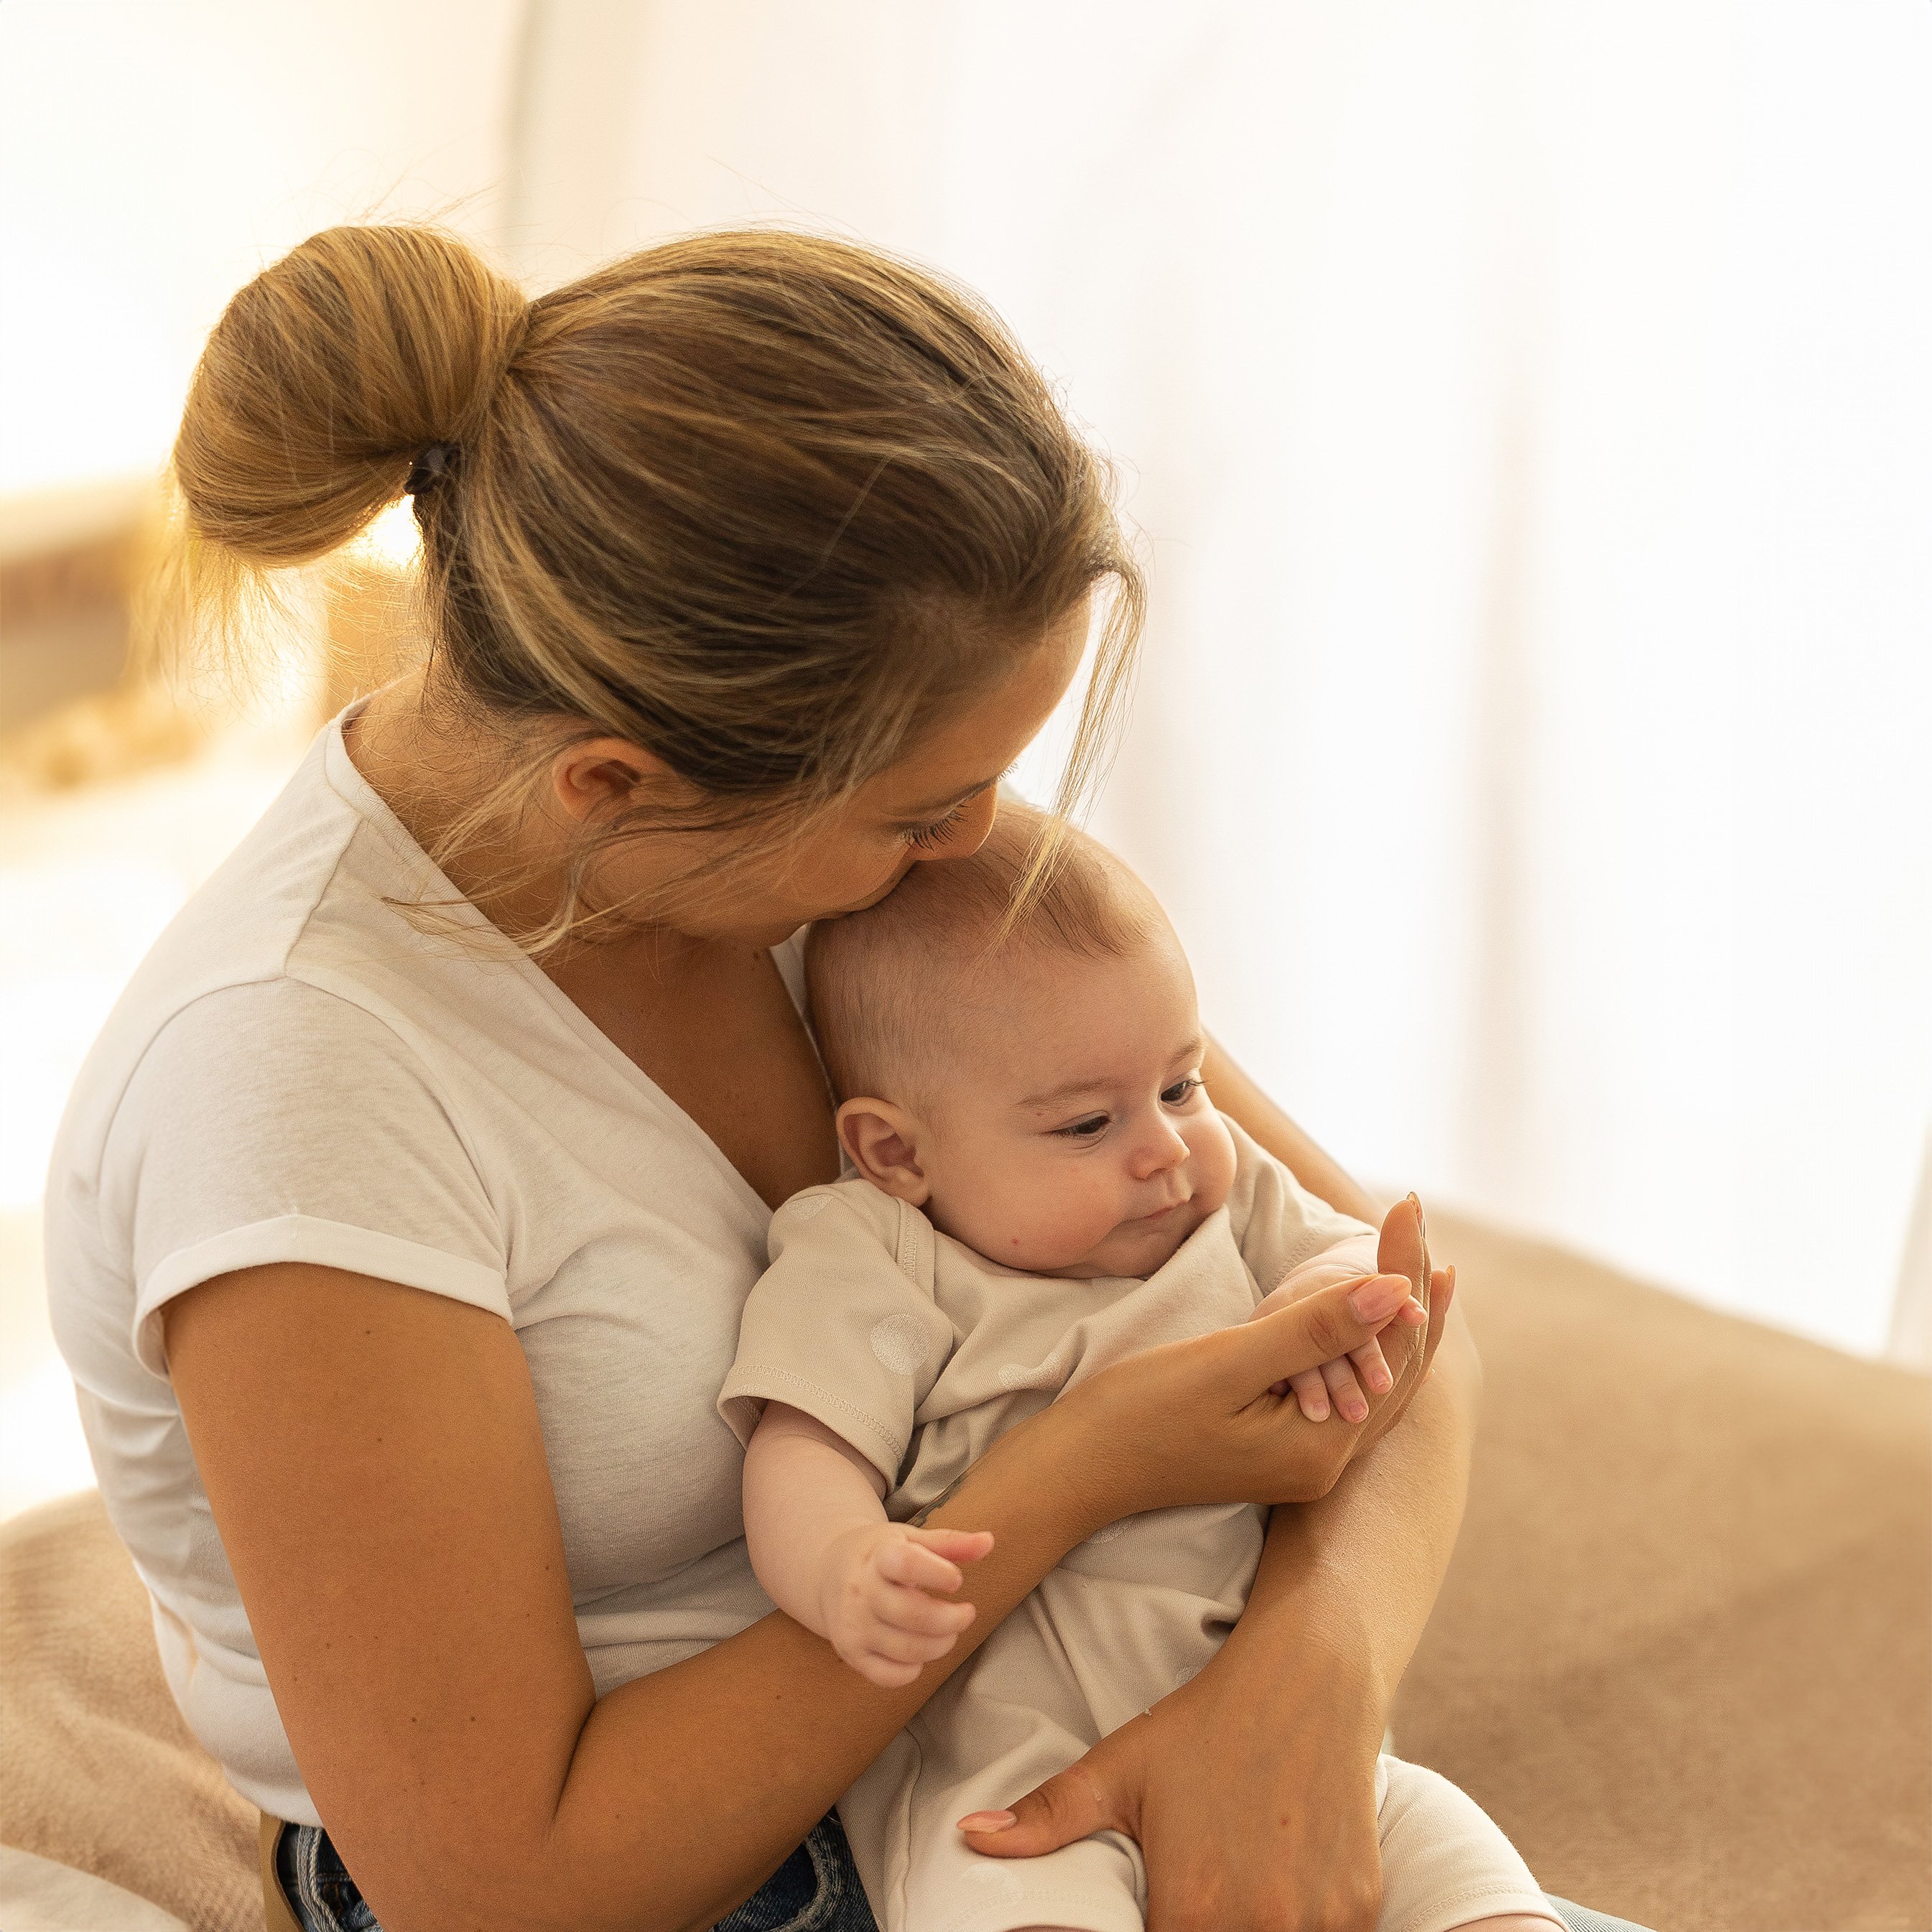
767 504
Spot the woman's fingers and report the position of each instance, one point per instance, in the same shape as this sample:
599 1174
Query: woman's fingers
1319 1328
1403 1248
1074 1804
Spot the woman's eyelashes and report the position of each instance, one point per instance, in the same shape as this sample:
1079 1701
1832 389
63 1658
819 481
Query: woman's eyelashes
927 837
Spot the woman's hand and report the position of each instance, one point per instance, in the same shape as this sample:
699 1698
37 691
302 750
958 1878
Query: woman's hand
1199 1421
1251 1811
1251 1789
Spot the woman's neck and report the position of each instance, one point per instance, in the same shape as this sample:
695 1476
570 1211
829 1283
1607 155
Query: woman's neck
432 768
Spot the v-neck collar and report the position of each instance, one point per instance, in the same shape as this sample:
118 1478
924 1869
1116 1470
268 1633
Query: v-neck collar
345 779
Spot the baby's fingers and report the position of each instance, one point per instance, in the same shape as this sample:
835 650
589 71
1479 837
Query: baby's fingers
882 1671
1318 1328
1371 1371
1311 1393
929 1559
1344 1391
899 1608
899 1646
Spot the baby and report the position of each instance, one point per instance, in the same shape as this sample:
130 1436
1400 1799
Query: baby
1042 1187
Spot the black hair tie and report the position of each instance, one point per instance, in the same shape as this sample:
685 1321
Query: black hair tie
429 467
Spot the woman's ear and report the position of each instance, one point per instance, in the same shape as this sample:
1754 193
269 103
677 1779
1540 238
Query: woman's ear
595 777
883 1141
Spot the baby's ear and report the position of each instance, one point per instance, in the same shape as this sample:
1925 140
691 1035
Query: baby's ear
883 1141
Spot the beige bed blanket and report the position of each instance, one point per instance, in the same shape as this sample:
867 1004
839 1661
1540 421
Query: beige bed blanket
1684 1653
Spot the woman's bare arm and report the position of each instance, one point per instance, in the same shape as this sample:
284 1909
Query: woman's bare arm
373 1460
1296 1702
1395 1520
373 1457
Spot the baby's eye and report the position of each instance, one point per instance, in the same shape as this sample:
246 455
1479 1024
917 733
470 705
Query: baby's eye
1173 1096
1084 1130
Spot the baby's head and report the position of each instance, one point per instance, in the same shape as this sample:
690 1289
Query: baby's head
1038 1094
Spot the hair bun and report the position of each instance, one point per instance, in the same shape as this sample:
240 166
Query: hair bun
327 377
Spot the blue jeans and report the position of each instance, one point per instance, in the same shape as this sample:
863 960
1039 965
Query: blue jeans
816 1889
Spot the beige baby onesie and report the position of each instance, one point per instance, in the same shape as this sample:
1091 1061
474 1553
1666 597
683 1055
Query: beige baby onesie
920 1352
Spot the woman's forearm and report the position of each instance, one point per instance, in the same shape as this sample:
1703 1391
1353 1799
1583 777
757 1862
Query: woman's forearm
1355 1575
707 1774
1351 1578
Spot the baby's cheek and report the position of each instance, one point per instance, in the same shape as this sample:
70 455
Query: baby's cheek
1055 1218
1212 1149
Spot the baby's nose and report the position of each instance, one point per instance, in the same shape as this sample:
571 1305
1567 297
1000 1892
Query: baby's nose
1161 1150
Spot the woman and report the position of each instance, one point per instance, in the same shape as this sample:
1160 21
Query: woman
401 1218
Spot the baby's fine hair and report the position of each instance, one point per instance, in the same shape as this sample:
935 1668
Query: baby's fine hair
888 984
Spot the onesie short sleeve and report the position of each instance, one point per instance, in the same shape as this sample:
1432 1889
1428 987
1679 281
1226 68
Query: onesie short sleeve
843 1324
278 1122
1278 1223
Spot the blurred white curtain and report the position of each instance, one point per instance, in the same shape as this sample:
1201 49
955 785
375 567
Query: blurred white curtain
1527 409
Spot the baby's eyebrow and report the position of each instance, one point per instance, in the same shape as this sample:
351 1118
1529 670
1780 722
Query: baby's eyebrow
1058 1096
1073 1090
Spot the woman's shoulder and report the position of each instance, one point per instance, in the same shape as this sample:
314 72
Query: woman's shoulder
264 969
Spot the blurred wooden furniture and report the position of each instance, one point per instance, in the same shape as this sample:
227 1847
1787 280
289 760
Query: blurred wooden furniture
79 703
66 559
1684 1654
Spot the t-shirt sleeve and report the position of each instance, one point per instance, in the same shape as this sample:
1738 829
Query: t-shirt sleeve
1278 1223
276 1122
843 1324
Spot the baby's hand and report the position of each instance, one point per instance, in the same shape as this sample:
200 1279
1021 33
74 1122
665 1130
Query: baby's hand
881 1597
1351 1260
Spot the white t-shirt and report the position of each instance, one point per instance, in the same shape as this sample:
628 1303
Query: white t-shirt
297 1073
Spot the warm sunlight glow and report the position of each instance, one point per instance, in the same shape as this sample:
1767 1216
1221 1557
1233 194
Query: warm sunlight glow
393 538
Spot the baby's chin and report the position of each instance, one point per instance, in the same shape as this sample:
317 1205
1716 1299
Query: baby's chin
1133 1250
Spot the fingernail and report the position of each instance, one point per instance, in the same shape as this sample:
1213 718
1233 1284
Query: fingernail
987 1821
1382 1296
1421 1215
1378 1380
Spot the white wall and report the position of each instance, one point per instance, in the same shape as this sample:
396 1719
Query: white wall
155 154
1525 405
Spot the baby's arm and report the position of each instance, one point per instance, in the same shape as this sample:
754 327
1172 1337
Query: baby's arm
823 1548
